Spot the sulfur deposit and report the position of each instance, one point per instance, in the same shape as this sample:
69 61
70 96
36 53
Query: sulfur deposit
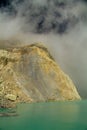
30 74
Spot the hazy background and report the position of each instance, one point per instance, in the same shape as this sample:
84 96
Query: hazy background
60 24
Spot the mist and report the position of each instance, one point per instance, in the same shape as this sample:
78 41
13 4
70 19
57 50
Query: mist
61 25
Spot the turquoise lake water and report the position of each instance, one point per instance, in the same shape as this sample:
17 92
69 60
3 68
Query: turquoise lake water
46 116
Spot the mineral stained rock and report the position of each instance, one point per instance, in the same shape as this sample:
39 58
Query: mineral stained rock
30 74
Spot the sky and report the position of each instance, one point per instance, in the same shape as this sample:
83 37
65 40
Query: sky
60 24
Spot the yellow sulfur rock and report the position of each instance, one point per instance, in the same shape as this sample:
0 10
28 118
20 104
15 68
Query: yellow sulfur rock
10 97
30 74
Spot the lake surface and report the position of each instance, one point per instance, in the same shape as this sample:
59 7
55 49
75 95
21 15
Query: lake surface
46 116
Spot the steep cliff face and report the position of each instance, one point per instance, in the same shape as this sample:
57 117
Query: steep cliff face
30 74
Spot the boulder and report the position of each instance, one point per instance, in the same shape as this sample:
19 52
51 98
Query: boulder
10 97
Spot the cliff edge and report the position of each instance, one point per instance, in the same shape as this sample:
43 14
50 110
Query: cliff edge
30 74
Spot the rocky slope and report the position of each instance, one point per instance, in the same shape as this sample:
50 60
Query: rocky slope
30 74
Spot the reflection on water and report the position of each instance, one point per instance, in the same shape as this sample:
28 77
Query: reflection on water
48 116
8 112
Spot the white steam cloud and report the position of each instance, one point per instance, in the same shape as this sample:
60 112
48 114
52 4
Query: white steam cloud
61 26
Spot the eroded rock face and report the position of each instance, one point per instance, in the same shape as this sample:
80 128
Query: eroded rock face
30 74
